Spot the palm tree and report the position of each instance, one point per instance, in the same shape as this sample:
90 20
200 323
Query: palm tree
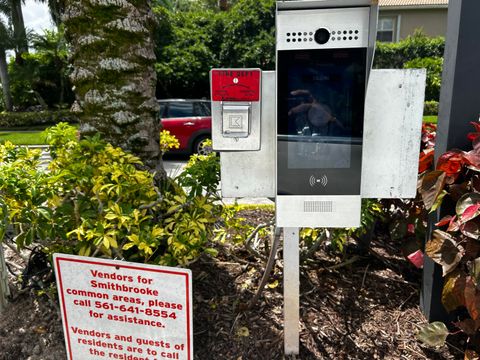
19 30
113 74
53 47
6 43
12 9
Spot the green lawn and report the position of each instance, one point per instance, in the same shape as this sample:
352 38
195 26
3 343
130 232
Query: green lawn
430 119
22 137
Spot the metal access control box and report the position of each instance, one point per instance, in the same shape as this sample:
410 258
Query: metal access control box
236 100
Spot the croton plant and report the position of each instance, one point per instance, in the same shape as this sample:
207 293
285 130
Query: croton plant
455 244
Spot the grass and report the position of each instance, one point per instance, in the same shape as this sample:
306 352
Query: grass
22 137
432 119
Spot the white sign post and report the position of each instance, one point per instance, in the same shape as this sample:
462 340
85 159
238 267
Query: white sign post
125 311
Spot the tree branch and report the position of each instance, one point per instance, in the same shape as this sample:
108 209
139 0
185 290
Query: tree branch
252 235
268 268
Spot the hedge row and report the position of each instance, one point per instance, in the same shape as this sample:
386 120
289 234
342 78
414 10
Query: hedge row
416 52
395 55
41 118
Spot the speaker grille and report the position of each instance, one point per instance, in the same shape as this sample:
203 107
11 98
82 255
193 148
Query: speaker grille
318 206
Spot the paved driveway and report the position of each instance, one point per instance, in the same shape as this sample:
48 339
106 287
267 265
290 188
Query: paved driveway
173 164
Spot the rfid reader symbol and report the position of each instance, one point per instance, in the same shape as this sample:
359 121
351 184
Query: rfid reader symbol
322 181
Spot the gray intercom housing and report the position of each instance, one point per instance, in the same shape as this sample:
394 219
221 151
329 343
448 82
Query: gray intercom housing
324 55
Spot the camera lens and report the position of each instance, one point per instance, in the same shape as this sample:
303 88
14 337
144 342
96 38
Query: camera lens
322 36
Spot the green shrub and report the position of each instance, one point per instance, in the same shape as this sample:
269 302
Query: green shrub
430 108
94 201
434 66
202 174
41 118
395 55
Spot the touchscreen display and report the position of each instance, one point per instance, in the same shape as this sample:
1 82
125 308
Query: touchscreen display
320 110
321 103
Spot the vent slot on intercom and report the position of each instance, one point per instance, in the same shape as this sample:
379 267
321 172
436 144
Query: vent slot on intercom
318 206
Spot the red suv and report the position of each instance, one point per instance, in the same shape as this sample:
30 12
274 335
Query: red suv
190 121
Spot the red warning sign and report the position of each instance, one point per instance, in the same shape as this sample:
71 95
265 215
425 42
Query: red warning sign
235 84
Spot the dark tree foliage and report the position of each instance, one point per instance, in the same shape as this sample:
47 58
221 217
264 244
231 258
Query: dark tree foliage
190 43
249 36
186 46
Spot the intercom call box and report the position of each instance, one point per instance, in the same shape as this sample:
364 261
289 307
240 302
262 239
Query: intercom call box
310 133
322 69
236 95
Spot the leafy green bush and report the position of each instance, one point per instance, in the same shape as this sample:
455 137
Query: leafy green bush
202 174
40 118
395 55
94 201
430 108
434 66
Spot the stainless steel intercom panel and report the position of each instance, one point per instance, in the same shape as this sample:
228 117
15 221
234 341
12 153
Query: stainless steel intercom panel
322 70
236 109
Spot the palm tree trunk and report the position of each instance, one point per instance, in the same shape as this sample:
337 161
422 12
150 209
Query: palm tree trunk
4 78
19 31
114 75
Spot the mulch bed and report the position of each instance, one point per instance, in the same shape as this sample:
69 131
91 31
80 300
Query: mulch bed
363 309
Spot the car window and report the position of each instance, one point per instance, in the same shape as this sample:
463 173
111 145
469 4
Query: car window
161 113
200 109
208 107
180 109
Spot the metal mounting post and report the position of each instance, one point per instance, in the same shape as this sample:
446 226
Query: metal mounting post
291 290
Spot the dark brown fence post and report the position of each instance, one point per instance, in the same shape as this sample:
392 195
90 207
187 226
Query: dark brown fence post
459 105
